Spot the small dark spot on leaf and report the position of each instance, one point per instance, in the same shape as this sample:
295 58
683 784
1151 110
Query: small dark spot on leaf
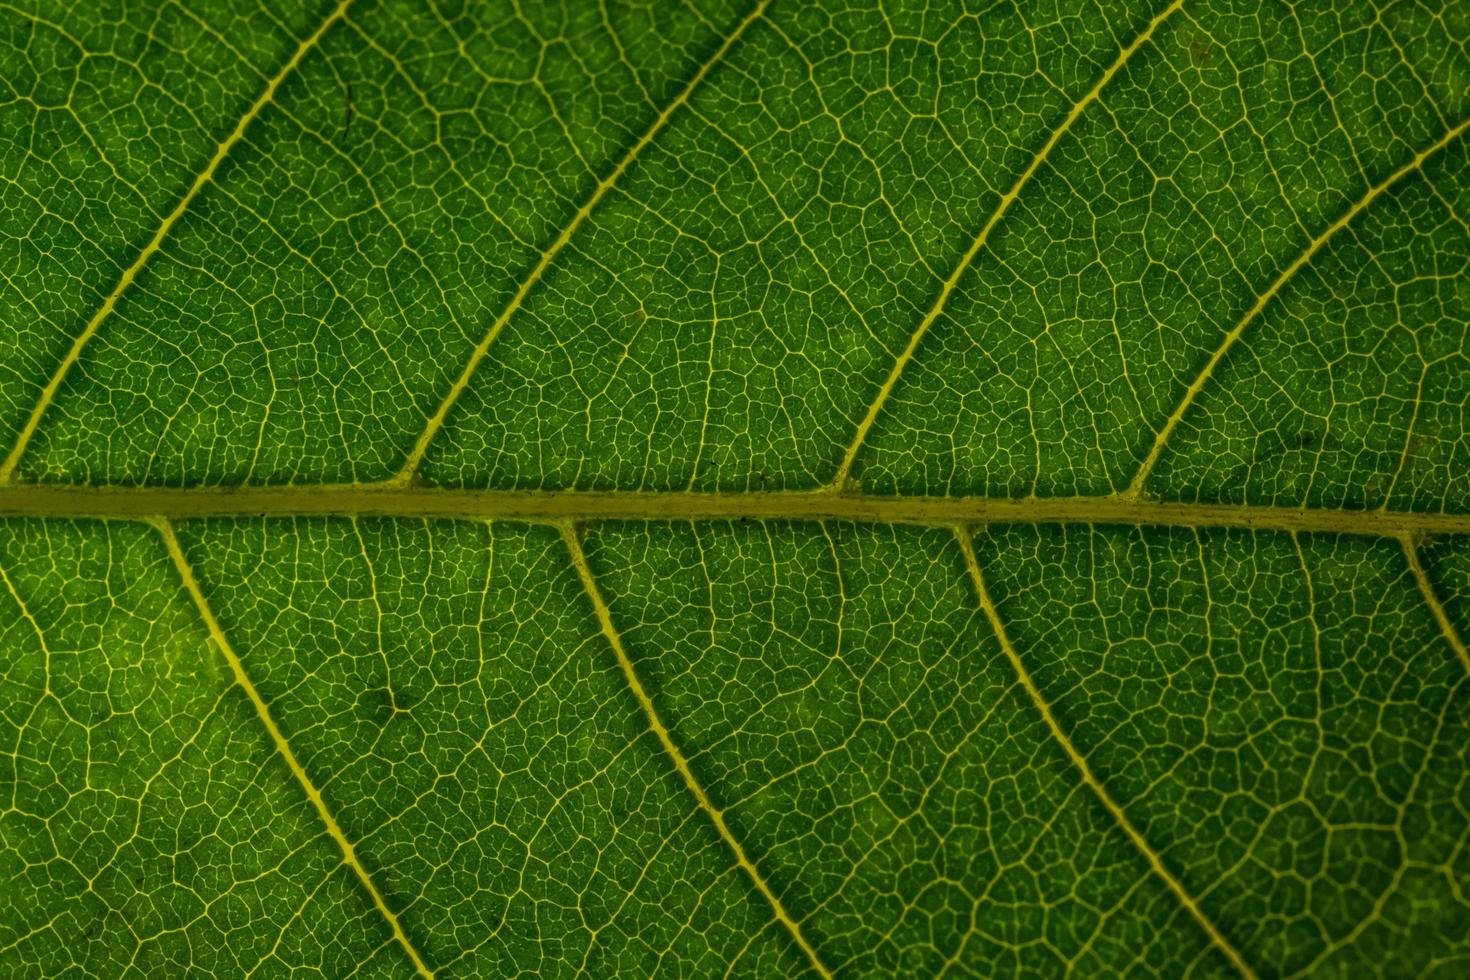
1302 439
1418 443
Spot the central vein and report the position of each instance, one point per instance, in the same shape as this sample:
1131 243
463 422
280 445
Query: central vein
556 506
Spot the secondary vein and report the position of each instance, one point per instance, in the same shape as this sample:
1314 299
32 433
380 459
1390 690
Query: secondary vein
1263 300
436 420
48 393
262 710
1155 861
1007 199
1431 599
696 789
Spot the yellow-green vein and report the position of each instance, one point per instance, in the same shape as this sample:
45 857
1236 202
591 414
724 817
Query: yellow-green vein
1135 486
555 506
262 710
839 481
701 798
1431 599
1079 761
48 393
436 419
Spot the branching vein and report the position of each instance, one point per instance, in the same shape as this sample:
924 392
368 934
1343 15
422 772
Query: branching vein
1263 300
1085 771
716 816
262 710
48 393
860 436
436 420
1431 599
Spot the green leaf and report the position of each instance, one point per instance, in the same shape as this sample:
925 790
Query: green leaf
734 488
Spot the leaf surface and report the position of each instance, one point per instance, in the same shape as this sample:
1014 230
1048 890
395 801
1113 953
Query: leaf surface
717 489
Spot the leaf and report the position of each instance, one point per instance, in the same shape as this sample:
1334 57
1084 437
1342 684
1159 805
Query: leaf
759 489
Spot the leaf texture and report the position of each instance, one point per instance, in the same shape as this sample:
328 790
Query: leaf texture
719 488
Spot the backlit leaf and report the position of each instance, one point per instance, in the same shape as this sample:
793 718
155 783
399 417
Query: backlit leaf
723 488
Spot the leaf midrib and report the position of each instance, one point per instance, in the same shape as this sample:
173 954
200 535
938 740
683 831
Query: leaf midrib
556 506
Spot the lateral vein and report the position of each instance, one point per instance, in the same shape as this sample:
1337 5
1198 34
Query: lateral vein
436 420
1155 861
1431 599
205 176
716 816
349 853
1263 300
1007 199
